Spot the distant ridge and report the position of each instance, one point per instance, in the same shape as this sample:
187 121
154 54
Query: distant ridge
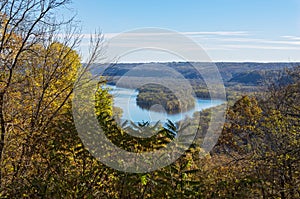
249 73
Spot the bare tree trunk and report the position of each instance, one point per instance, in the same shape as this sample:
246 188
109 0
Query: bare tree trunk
2 131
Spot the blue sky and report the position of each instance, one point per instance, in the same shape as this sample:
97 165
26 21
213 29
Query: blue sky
228 30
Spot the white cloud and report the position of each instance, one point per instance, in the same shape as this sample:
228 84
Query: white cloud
265 41
218 33
291 37
241 46
192 34
221 44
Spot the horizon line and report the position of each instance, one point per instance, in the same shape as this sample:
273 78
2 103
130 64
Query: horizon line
262 62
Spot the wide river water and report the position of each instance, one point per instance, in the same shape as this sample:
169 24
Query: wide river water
126 99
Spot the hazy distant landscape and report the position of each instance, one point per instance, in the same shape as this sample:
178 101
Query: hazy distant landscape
238 78
245 73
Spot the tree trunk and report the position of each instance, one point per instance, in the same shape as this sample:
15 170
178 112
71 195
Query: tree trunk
2 130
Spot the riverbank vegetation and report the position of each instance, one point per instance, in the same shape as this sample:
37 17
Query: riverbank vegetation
153 94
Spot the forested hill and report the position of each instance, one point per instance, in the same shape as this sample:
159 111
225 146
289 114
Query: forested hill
249 73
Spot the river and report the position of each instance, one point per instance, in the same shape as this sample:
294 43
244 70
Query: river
126 99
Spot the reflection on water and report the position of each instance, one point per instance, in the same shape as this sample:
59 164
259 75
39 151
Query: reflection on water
126 99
